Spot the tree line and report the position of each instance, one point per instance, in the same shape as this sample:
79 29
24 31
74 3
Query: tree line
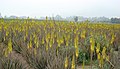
115 20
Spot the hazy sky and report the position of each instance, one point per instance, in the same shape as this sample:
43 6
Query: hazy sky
87 8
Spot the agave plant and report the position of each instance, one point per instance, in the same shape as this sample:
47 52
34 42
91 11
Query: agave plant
6 63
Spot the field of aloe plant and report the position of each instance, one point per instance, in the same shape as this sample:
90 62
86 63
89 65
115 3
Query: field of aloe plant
52 44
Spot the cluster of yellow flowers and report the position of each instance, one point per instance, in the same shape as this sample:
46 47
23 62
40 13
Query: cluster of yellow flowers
49 33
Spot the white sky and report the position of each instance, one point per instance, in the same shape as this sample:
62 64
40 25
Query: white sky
38 8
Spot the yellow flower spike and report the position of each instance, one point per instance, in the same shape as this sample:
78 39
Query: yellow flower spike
75 31
46 47
6 53
92 44
91 33
47 39
77 52
83 66
104 36
83 34
104 52
68 36
101 62
35 40
76 41
92 47
66 62
66 39
50 45
98 48
30 44
4 38
107 58
34 35
59 44
59 29
48 35
43 40
113 37
51 42
58 41
0 28
7 33
37 44
24 38
61 40
30 37
67 42
98 56
91 40
10 45
73 63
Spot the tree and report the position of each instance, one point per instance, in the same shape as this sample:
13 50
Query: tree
76 19
115 20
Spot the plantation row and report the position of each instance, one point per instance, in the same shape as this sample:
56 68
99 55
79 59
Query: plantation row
57 44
